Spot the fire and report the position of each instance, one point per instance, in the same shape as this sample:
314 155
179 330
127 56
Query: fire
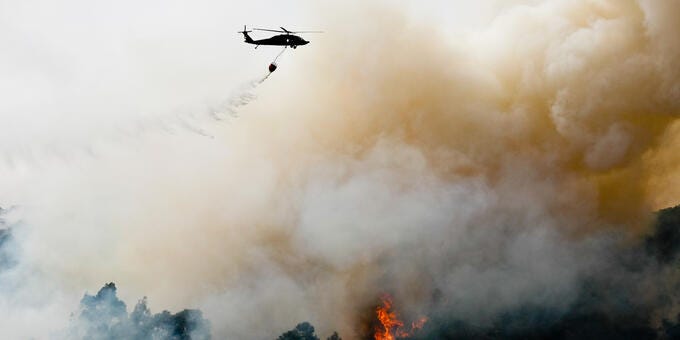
393 328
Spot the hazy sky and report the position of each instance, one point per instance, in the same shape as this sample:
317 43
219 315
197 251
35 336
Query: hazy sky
74 71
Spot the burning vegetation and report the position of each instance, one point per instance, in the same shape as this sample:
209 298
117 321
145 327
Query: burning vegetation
391 327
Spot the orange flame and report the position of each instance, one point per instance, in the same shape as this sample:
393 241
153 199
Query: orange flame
393 328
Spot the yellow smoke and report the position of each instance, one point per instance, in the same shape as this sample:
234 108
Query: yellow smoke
576 99
582 91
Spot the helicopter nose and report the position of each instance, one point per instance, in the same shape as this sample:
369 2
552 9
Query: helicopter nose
305 42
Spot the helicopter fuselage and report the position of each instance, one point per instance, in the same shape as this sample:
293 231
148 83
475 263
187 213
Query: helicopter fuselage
278 40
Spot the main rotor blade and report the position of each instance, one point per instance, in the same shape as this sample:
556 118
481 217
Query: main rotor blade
286 31
264 29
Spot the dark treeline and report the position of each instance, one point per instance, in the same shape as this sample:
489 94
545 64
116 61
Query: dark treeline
304 331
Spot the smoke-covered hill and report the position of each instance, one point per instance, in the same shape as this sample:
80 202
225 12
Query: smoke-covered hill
105 316
606 307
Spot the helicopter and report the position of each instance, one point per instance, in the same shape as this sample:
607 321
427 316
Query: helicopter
287 39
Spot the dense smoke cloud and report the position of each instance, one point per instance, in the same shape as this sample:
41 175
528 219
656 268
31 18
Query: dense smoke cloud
640 282
506 171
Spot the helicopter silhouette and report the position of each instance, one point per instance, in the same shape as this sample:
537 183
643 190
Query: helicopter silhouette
288 39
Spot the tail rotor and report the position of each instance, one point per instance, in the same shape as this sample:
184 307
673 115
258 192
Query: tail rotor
245 31
246 36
